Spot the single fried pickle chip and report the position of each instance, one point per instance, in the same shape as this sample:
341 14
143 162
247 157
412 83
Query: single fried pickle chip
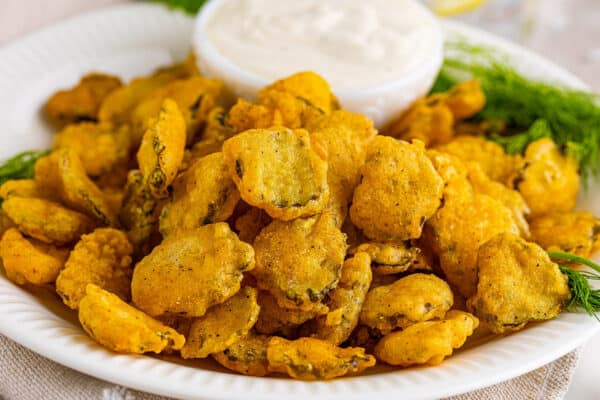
311 359
576 232
223 325
120 327
274 318
45 220
190 271
300 261
204 194
161 151
517 283
414 298
389 258
345 302
30 261
279 170
103 258
426 343
399 190
248 356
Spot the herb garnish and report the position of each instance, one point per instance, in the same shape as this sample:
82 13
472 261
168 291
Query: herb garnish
20 166
533 108
189 6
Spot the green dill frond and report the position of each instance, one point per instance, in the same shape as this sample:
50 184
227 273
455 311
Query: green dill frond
572 117
582 294
20 166
189 6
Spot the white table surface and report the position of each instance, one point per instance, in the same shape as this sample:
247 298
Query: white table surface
566 31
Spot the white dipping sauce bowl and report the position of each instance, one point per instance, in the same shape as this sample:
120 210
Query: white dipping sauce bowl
381 102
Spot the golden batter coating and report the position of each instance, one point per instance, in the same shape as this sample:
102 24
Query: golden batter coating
300 261
62 175
457 231
465 99
194 96
279 170
548 181
312 359
414 298
399 190
427 343
490 156
81 102
161 152
46 221
274 318
103 258
30 261
249 224
345 302
21 188
100 147
203 194
245 115
248 356
390 257
120 327
575 232
223 325
517 283
429 120
190 271
510 198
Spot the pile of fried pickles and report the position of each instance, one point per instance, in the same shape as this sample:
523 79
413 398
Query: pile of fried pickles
286 235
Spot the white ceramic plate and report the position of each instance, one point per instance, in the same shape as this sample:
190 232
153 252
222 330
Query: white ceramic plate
135 39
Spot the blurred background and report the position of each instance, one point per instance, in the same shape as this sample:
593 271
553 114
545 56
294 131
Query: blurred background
566 31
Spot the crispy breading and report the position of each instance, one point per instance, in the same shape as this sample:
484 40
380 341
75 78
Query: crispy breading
414 298
390 257
274 318
103 258
248 356
517 283
223 325
300 261
190 271
399 190
81 102
120 327
575 232
203 194
30 261
45 220
279 170
312 359
427 343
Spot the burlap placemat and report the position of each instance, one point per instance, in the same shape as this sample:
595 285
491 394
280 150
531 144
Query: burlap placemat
25 375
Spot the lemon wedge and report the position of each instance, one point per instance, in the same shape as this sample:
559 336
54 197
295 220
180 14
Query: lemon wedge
454 7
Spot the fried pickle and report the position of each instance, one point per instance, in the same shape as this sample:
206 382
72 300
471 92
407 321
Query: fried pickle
345 302
223 325
204 194
46 221
30 261
103 258
248 356
517 283
279 170
548 181
312 359
575 232
414 298
161 152
82 102
390 257
120 327
399 190
427 343
299 261
191 271
274 318
21 188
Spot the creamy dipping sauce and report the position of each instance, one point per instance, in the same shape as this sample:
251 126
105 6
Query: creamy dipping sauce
351 43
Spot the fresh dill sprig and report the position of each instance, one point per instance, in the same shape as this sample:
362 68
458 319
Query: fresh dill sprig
189 6
572 117
20 166
582 294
